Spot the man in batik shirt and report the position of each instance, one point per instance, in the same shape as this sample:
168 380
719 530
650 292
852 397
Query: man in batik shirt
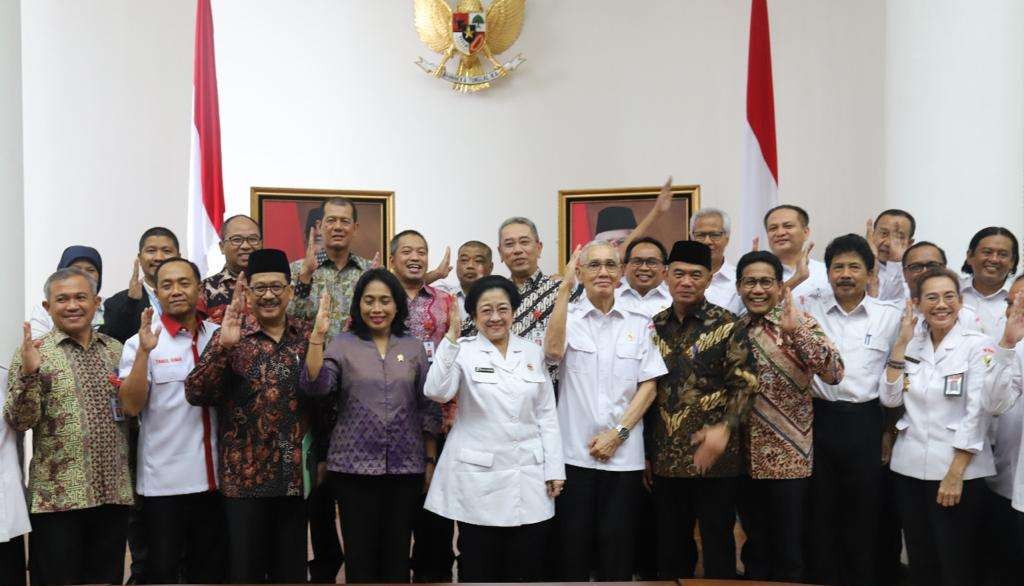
239 237
693 439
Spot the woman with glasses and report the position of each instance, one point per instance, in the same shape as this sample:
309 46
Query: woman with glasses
501 468
382 449
941 453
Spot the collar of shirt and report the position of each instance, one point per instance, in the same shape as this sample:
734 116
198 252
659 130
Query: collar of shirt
832 306
660 291
726 273
533 282
251 326
585 309
174 327
60 336
698 312
353 260
967 285
225 274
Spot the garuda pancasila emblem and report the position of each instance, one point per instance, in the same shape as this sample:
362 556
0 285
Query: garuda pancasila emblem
471 32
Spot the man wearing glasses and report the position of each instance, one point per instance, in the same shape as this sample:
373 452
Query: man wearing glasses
239 237
643 288
711 226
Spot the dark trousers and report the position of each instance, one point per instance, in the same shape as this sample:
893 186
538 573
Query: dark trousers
940 540
1000 551
80 546
889 537
12 561
647 539
774 522
377 515
679 504
502 554
185 537
844 492
597 518
266 539
322 514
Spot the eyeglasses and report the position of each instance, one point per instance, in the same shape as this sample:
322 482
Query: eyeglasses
595 266
238 241
764 282
343 222
712 236
918 267
276 289
651 263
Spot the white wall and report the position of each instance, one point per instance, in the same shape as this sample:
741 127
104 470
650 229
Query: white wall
12 220
325 94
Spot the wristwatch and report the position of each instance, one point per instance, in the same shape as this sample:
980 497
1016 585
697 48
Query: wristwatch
623 432
430 460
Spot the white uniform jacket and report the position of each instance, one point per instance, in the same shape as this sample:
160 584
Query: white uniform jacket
505 441
13 509
937 420
1003 385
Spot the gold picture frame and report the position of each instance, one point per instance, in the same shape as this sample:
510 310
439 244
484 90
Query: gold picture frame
579 214
284 214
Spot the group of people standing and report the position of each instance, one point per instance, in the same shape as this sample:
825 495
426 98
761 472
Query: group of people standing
571 428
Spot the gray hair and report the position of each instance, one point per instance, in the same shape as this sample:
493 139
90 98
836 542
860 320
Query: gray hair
64 275
519 220
726 222
585 251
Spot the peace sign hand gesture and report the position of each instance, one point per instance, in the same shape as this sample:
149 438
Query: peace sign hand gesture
31 359
569 274
148 338
309 264
789 321
231 325
908 323
134 283
323 320
1014 330
664 201
454 321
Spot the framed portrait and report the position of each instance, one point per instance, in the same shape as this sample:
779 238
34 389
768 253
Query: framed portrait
285 216
611 214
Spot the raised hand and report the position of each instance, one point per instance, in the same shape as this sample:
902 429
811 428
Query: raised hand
869 235
454 321
908 323
31 359
664 201
148 338
1014 330
231 325
789 321
134 283
375 263
569 274
803 265
323 320
755 244
897 247
309 264
442 269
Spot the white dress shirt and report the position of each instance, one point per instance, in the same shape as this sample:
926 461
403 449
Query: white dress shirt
177 441
864 338
13 510
505 442
722 289
459 295
991 309
891 285
606 357
817 279
651 304
1003 384
934 424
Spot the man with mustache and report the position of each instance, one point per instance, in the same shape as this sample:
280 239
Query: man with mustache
250 373
239 237
846 479
63 388
177 441
607 370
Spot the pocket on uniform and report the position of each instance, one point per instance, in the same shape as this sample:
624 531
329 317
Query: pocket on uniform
477 458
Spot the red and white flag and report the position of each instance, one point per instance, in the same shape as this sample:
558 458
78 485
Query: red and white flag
205 182
760 165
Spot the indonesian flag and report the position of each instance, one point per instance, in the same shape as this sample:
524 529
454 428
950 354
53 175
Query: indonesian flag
760 166
205 182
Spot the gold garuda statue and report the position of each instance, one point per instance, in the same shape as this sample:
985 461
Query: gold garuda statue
470 31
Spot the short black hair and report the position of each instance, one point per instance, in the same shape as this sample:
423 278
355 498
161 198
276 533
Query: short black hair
854 243
393 245
398 326
195 269
922 244
224 225
485 284
899 213
805 219
936 273
339 201
158 231
985 233
757 256
480 245
646 240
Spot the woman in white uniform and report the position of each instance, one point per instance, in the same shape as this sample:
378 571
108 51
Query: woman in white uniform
501 467
941 454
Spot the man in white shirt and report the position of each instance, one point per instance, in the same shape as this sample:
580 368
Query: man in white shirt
846 479
14 520
890 235
177 456
992 258
712 227
607 370
788 229
643 288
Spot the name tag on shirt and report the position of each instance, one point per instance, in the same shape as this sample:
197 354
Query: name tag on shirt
954 385
429 347
867 339
489 370
115 409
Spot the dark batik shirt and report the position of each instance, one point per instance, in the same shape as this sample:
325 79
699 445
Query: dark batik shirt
218 290
261 417
382 411
711 378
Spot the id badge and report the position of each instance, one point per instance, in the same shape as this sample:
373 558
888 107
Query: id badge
115 409
954 385
429 347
